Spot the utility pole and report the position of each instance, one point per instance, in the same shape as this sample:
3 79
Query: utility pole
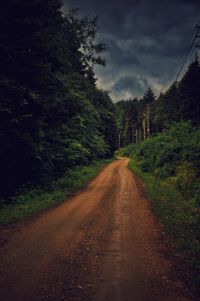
140 135
148 121
144 128
136 136
119 140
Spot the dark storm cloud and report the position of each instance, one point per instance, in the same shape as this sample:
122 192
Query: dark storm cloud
131 84
120 54
145 40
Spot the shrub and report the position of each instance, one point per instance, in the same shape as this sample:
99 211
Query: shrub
164 152
185 177
78 154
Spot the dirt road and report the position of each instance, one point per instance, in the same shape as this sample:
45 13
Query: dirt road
103 244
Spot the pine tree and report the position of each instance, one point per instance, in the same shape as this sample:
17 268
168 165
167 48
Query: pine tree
148 107
167 108
189 88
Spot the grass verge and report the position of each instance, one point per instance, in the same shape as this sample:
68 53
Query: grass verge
36 200
181 221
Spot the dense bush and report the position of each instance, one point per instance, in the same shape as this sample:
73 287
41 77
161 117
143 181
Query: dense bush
169 164
173 154
164 152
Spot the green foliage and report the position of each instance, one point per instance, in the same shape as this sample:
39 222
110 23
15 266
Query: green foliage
34 200
180 142
169 162
138 119
77 153
180 101
126 151
149 96
167 108
128 119
179 212
184 178
189 89
52 116
135 118
169 165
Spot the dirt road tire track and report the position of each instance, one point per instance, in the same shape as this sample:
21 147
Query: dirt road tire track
103 244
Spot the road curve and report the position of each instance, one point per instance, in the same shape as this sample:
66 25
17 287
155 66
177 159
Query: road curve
103 244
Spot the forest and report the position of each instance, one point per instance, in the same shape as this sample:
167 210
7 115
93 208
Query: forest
58 128
161 135
164 130
138 119
54 118
52 115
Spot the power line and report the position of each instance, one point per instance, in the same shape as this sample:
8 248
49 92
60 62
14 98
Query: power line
188 52
166 82
179 68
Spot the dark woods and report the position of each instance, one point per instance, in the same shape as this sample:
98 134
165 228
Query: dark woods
52 116
139 119
169 162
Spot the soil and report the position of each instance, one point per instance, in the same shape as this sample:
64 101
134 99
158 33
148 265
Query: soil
102 244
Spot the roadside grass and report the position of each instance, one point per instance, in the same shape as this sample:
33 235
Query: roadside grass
181 219
34 201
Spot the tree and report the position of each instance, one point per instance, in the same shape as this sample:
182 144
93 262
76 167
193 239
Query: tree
148 107
128 120
189 88
49 118
167 108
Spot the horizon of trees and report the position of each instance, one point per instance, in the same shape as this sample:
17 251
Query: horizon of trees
140 118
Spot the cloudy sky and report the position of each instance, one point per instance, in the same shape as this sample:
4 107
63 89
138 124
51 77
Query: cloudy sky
146 41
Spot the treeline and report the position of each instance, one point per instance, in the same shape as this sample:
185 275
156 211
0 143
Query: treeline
164 147
140 118
52 115
135 118
169 164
